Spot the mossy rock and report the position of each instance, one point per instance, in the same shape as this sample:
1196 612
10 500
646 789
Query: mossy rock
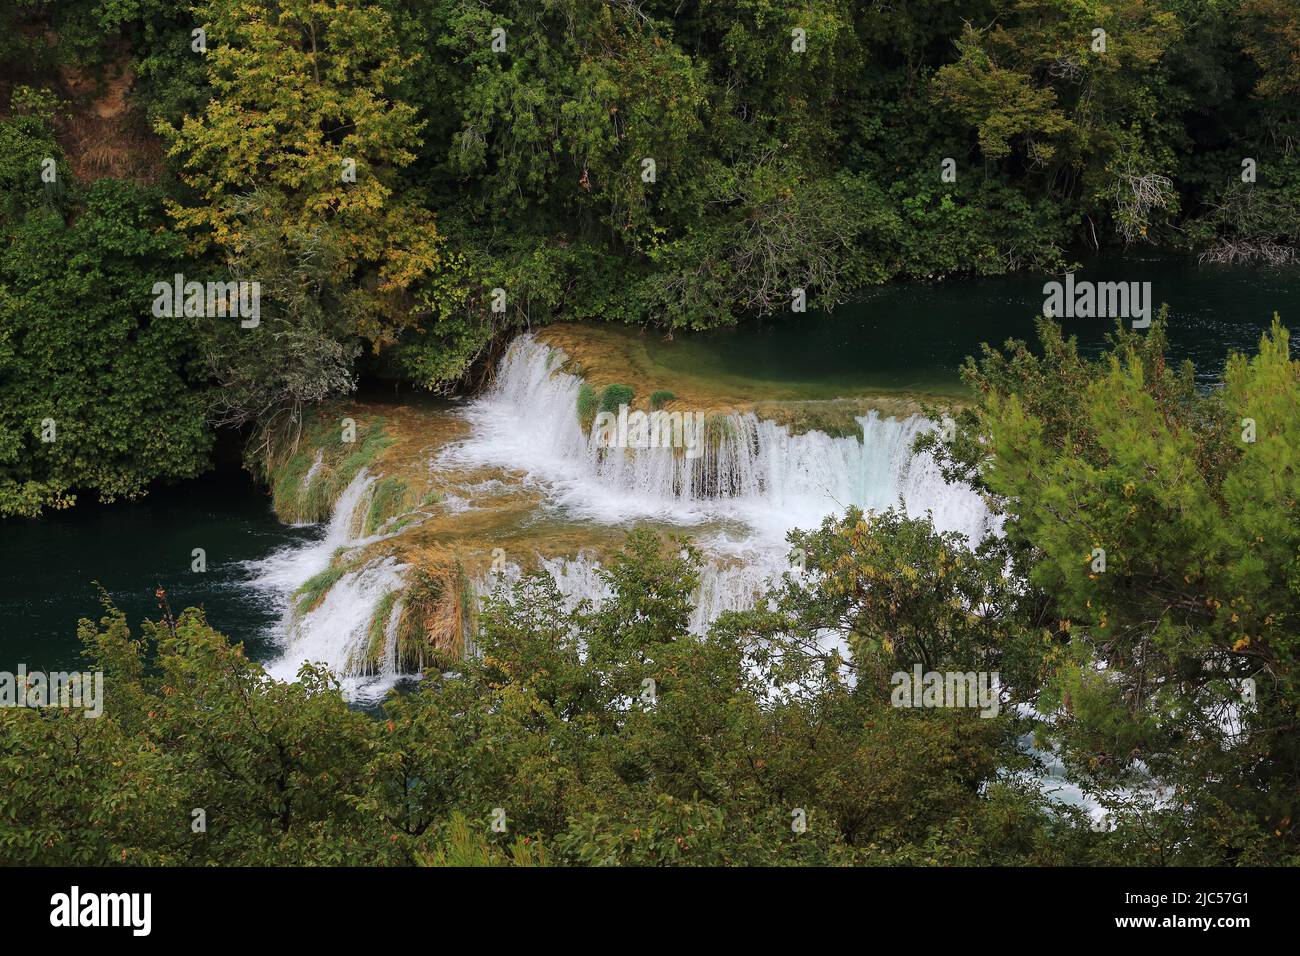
586 406
376 636
329 461
437 610
390 499
312 592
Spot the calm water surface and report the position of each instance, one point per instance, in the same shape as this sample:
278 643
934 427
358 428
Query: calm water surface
915 335
49 566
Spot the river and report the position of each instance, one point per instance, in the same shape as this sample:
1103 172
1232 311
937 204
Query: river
906 337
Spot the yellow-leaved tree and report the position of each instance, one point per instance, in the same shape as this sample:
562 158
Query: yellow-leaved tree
295 165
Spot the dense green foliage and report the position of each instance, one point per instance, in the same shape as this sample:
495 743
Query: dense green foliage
612 734
709 767
613 397
1158 530
294 162
95 392
678 165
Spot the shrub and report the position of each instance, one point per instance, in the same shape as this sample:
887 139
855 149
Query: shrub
586 406
615 396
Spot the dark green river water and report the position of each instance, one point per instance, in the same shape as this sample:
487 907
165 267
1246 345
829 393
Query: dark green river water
911 336
915 335
49 566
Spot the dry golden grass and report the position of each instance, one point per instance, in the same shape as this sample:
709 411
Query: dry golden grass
437 611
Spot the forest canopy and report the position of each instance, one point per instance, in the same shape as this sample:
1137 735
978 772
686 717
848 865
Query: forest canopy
614 734
408 180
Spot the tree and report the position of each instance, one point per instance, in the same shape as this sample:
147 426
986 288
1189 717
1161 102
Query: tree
588 735
1271 37
295 161
1080 89
96 393
198 758
1157 527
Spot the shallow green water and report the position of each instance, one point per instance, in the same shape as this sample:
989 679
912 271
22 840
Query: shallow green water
915 335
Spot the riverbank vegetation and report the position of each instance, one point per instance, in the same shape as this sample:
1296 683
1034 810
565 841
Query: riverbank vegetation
1140 609
407 181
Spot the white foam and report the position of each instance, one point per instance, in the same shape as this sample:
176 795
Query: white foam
337 631
760 475
759 481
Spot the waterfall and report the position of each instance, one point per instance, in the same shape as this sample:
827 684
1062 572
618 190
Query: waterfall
576 579
754 481
758 471
280 574
337 631
757 475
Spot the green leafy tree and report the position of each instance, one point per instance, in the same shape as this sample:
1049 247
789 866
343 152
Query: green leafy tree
1157 528
95 392
294 166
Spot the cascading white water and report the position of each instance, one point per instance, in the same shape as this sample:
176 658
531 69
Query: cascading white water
752 485
576 579
758 471
336 632
758 475
722 588
284 571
